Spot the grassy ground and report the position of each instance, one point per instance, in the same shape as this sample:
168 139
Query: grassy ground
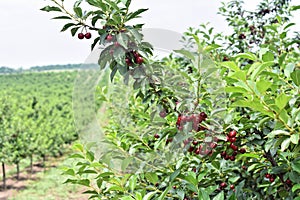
48 185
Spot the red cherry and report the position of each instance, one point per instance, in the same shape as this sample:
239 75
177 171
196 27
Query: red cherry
232 140
174 187
232 158
139 60
233 147
162 113
232 187
234 153
191 149
242 150
213 145
88 35
195 169
203 116
272 179
183 118
223 154
227 138
156 136
128 61
80 36
109 38
227 157
195 142
169 140
267 175
223 185
197 151
244 167
288 182
232 134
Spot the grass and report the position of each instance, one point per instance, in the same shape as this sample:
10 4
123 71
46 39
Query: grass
49 186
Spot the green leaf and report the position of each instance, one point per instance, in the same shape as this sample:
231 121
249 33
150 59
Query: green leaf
293 8
267 57
85 182
296 187
202 194
163 195
90 156
230 65
115 188
137 36
248 155
152 177
127 198
125 163
296 77
211 47
135 14
202 174
122 38
149 195
282 100
289 68
67 26
285 144
174 175
260 69
76 155
296 166
78 147
295 138
262 85
51 8
249 56
191 178
186 53
235 89
132 182
239 75
220 196
127 4
74 31
78 11
70 172
62 17
253 67
277 132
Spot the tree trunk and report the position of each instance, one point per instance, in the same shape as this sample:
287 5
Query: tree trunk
4 176
31 164
18 170
44 161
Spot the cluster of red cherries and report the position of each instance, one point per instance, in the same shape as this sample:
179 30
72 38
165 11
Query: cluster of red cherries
223 185
133 57
195 118
231 137
271 177
81 36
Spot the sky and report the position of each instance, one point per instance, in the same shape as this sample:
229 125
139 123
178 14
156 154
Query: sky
29 38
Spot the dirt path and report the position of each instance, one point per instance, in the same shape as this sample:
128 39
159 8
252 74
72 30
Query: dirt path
43 183
14 185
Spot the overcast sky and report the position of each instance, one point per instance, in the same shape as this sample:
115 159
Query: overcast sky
29 38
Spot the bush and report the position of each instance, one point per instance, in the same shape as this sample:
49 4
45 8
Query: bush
218 119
